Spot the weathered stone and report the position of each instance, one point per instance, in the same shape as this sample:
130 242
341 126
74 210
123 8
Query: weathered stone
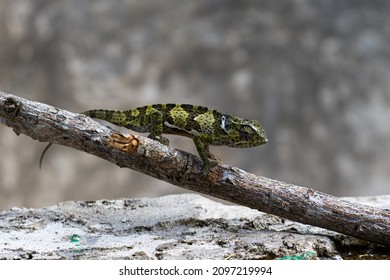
184 226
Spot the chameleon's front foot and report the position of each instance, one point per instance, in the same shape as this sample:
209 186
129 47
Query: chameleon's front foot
208 165
209 162
163 140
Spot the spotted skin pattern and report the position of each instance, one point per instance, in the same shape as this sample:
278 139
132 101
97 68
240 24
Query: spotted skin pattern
204 125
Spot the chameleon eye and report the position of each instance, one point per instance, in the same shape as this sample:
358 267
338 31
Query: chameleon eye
246 129
247 132
223 122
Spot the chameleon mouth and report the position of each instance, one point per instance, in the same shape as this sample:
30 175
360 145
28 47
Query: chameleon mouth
245 144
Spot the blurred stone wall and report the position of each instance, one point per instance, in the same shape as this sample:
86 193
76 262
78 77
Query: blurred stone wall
315 73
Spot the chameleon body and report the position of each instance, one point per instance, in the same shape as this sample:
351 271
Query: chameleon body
205 126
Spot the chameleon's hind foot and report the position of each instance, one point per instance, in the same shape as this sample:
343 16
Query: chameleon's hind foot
163 140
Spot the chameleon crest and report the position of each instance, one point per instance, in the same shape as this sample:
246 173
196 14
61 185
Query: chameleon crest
204 125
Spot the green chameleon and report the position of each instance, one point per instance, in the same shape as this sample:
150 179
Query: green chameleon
204 125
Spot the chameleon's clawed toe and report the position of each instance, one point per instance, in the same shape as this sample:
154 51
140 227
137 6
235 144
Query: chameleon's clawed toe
208 165
214 158
163 140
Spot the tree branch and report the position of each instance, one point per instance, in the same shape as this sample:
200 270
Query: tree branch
46 123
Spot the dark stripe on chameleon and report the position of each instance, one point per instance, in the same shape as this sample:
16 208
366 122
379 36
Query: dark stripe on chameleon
192 111
142 118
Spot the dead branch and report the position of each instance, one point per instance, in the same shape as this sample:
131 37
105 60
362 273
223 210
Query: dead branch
46 123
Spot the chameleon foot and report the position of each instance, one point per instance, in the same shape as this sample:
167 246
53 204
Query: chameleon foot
163 140
208 165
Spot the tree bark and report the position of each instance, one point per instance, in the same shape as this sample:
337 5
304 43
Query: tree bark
46 123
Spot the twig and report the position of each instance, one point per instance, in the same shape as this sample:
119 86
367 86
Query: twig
305 205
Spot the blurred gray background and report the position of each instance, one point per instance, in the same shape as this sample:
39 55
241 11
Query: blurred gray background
315 73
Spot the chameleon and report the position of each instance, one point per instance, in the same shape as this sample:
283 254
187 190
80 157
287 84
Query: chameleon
204 125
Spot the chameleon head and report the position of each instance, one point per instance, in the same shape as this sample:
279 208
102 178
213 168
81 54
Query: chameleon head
244 133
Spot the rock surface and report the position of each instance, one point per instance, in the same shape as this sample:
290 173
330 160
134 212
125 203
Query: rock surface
186 226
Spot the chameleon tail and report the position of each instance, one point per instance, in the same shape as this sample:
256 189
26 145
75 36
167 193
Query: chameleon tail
43 154
115 117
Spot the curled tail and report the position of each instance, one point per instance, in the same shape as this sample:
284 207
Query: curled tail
120 118
107 115
43 154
